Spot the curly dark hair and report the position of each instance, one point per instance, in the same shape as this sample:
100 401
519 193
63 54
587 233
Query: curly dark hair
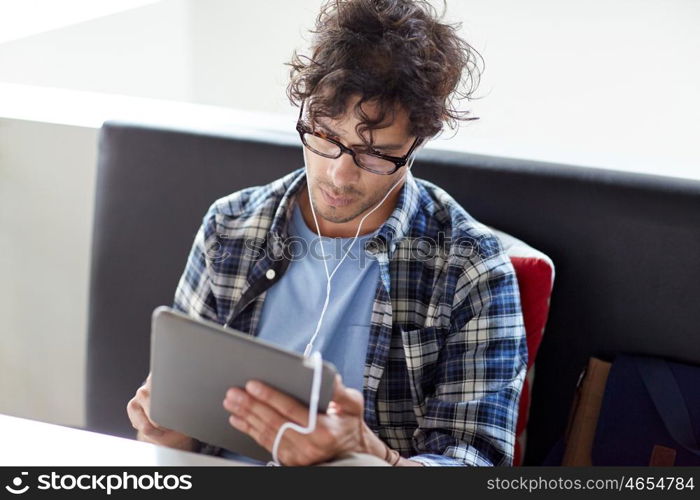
388 52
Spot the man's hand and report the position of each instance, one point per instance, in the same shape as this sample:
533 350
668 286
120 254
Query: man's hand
260 411
138 410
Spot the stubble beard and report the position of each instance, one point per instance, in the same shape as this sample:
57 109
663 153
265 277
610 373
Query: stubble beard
333 215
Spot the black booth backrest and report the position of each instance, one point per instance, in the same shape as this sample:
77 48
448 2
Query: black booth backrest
624 247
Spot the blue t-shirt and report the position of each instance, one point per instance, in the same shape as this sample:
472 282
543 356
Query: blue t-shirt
293 305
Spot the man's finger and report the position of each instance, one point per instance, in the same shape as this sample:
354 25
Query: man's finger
262 423
145 403
347 400
142 423
256 408
285 405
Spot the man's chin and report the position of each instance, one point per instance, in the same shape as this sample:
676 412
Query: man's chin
337 216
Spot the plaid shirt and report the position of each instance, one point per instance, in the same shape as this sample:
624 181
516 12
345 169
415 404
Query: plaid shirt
447 355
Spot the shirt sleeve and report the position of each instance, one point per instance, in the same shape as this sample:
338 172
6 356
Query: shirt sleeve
194 295
471 414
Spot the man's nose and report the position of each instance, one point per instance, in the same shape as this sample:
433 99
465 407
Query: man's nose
343 171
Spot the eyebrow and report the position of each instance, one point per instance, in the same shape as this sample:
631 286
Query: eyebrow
375 146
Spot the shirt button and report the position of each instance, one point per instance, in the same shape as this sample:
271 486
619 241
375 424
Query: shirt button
371 248
423 248
270 274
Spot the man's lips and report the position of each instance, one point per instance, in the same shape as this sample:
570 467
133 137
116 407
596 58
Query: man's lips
335 201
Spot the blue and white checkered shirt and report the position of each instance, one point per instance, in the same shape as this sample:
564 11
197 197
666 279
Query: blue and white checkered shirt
447 355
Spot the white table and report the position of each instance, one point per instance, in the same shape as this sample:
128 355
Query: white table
32 443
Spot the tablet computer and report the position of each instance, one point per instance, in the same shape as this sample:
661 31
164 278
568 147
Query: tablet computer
194 362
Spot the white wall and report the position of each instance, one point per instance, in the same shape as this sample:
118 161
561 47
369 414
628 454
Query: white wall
143 52
599 83
239 50
47 178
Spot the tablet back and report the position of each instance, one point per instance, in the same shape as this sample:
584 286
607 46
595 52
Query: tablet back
194 363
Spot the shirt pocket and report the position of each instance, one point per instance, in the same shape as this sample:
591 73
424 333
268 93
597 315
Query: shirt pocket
422 348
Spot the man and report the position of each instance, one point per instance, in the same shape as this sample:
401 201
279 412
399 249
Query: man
423 321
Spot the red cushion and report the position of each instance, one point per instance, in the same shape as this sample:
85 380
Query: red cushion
535 273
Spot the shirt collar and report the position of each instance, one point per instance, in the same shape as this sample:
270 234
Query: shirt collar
398 224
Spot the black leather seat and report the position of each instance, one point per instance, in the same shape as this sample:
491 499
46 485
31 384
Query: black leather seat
625 247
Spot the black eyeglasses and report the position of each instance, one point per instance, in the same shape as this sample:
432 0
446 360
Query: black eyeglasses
324 145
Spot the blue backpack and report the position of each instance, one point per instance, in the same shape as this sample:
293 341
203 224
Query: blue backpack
650 414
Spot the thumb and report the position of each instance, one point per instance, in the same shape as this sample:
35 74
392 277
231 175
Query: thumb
346 399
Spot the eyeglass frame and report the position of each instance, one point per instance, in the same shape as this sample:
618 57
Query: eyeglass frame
398 161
